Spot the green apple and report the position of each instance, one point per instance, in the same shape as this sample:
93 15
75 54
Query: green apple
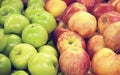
46 19
6 11
36 2
33 11
20 55
35 34
5 65
2 40
15 23
19 72
48 50
43 64
12 40
18 4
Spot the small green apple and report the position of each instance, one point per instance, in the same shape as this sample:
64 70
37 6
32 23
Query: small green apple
19 72
48 50
2 40
33 11
43 64
36 2
5 65
35 34
20 55
15 23
46 19
18 4
5 12
12 40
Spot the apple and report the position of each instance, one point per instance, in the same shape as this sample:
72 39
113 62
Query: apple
69 39
32 11
2 40
20 55
68 2
55 7
117 6
106 62
111 36
107 19
15 23
18 4
5 12
46 19
74 61
5 65
98 10
85 26
40 3
35 34
113 2
94 44
43 64
19 72
11 41
48 50
71 9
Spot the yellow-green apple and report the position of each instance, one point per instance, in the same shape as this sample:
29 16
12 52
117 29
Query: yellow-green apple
117 6
5 65
98 10
71 9
43 64
15 23
46 19
68 2
11 41
106 62
85 26
35 34
20 55
19 72
111 36
2 40
55 7
107 19
70 39
40 3
94 44
74 61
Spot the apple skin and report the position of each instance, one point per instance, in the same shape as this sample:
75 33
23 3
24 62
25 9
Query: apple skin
71 9
94 44
106 62
40 3
68 2
20 55
111 35
117 6
85 26
19 72
69 39
43 64
74 61
106 19
55 7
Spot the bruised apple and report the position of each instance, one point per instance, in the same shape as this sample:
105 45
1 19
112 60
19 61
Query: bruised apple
69 39
107 19
83 23
106 62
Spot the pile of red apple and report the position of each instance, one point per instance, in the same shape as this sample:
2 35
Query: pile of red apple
60 37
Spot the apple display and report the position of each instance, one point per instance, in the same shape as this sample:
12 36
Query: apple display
106 62
85 26
20 55
69 39
74 61
19 72
40 3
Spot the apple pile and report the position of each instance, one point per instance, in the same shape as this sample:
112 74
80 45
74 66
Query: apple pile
59 37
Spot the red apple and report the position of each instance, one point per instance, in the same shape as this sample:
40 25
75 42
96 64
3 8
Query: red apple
107 19
117 6
101 8
106 62
95 43
100 1
69 39
111 36
74 61
68 2
83 23
113 2
71 9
